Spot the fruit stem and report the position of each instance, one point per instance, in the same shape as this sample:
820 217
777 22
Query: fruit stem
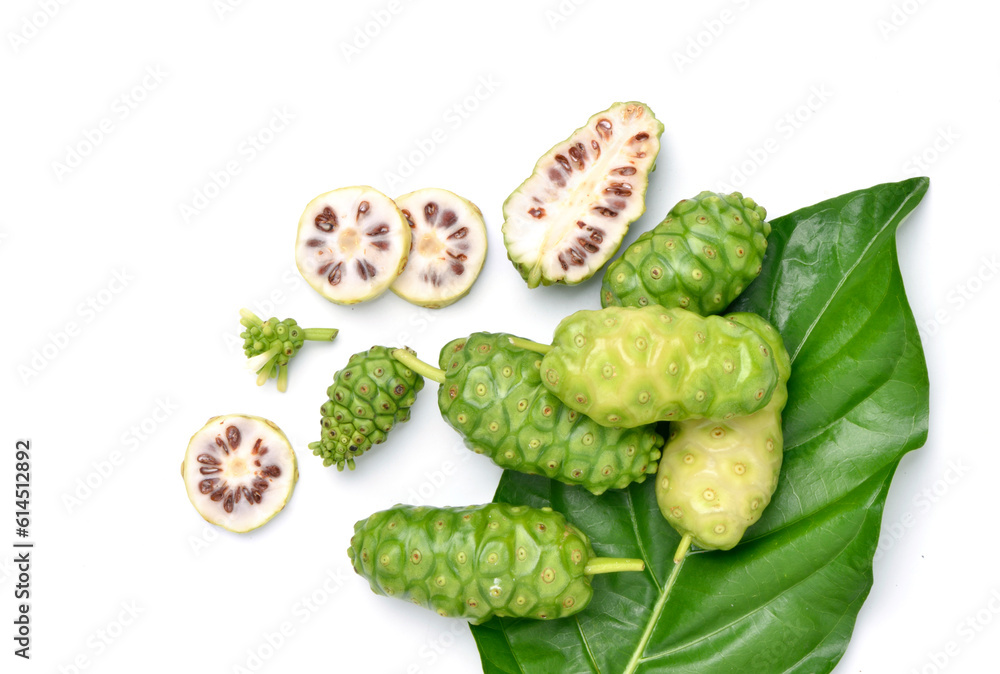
320 334
264 374
679 558
250 319
612 565
282 378
420 367
530 345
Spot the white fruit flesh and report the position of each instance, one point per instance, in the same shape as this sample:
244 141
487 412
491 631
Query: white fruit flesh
447 247
239 471
569 217
352 244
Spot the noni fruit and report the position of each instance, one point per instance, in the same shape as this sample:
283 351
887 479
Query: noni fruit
480 561
491 392
706 251
367 398
627 367
716 477
569 217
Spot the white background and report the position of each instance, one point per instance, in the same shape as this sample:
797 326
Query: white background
850 94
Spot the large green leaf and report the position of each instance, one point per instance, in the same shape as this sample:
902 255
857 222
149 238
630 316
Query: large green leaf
786 598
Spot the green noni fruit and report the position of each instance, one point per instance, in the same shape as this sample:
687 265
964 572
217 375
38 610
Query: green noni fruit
706 251
491 392
480 561
716 477
626 366
373 393
270 345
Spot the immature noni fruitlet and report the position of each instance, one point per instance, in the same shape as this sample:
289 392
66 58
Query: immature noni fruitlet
372 394
480 561
717 476
706 251
352 244
569 217
239 471
491 392
270 344
627 367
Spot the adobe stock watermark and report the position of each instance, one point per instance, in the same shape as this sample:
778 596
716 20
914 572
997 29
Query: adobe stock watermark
899 15
130 441
104 638
366 33
785 128
452 120
560 12
31 25
224 8
970 628
431 651
121 108
961 295
247 151
923 502
920 163
709 33
302 611
58 340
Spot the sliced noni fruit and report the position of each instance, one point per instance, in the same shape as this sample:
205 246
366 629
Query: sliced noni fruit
447 247
569 217
352 244
239 471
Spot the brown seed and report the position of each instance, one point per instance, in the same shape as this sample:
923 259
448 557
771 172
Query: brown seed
335 275
327 220
233 436
378 230
448 218
430 212
459 234
562 161
604 128
228 503
205 470
206 486
606 212
536 212
624 170
272 471
206 458
363 208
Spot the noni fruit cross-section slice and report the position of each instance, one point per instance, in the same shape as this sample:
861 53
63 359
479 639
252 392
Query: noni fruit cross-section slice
703 254
569 217
717 476
480 561
352 244
447 247
239 471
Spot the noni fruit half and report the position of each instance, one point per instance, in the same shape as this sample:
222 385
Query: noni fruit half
569 217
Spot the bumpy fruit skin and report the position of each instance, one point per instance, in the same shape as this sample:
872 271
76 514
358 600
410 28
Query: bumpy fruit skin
493 395
476 562
373 393
258 340
706 251
716 477
626 366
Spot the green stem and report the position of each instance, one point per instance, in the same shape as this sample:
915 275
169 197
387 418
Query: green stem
679 558
530 345
265 372
250 317
419 366
282 378
612 565
320 334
